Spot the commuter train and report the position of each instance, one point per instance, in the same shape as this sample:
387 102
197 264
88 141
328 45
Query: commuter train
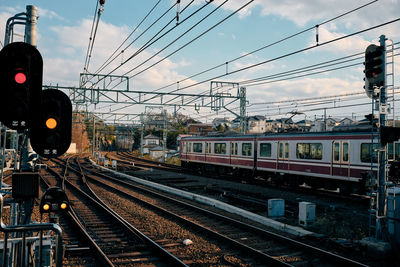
345 160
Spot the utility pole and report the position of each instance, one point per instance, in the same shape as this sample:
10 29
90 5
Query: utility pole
164 135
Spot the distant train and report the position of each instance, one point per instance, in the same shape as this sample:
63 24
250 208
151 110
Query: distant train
331 160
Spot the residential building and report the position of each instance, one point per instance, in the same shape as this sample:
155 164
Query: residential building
199 128
150 141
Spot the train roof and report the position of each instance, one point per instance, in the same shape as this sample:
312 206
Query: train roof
362 132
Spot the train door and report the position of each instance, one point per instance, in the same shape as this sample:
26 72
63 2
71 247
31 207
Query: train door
340 164
233 160
283 156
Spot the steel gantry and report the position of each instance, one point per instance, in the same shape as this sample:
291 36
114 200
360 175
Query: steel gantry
222 95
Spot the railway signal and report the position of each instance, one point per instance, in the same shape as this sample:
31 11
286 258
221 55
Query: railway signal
54 199
374 68
21 71
51 128
389 134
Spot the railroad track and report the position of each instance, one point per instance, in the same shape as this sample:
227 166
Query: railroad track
259 245
126 159
114 240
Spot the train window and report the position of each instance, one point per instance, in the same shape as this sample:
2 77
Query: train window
234 147
246 149
265 150
345 157
184 147
190 147
198 147
208 147
309 151
280 150
368 153
336 152
286 150
393 151
220 148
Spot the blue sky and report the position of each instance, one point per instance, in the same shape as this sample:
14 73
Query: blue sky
64 29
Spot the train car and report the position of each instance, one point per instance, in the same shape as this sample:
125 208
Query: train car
330 160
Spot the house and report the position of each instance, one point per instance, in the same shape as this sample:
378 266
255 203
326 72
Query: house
256 124
156 152
224 122
150 141
272 126
304 125
157 125
321 125
346 121
286 124
199 128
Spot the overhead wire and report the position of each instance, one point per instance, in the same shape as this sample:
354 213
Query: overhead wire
295 52
92 37
262 48
266 46
127 38
149 42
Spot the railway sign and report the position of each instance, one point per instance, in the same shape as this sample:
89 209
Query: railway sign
51 128
374 68
54 199
21 71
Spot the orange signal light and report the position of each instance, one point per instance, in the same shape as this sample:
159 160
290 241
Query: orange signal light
46 207
63 206
51 123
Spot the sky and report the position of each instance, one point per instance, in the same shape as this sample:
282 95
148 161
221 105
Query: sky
215 37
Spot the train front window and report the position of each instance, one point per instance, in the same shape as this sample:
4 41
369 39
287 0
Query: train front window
369 153
265 150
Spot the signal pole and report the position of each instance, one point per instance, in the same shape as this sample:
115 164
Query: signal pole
381 193
30 28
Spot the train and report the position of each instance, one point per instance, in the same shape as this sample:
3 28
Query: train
338 160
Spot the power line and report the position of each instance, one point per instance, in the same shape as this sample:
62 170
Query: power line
92 37
149 42
291 54
126 39
175 40
264 47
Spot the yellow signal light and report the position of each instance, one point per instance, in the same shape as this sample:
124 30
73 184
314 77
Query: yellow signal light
51 123
46 207
63 206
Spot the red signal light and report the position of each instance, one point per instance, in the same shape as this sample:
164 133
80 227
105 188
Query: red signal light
20 78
